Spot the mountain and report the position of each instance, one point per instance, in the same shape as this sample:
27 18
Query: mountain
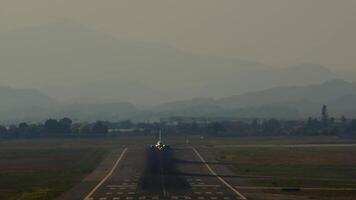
68 55
278 102
240 83
12 98
94 112
313 93
23 103
338 94
107 92
77 64
18 105
292 102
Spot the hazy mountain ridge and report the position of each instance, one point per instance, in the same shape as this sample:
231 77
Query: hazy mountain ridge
281 102
315 93
74 57
297 75
77 54
94 112
13 98
84 71
285 102
33 105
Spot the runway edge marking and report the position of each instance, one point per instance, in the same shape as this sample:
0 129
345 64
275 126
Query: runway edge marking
217 176
88 197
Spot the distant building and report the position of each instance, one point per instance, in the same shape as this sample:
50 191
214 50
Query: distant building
125 130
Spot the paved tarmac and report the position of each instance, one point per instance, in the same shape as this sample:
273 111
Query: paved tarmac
143 173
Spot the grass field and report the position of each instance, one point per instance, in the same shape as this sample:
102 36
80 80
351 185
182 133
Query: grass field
40 169
44 168
43 173
272 140
283 167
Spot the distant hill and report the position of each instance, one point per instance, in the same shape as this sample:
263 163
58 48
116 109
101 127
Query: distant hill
23 103
82 72
31 105
94 112
77 64
12 98
72 56
280 102
261 79
322 93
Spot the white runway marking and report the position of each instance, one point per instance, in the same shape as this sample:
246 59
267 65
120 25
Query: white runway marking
221 179
197 192
201 185
88 197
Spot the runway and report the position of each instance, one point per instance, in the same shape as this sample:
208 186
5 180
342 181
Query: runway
151 174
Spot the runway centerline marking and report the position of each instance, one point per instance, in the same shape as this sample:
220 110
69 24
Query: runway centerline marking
88 197
217 176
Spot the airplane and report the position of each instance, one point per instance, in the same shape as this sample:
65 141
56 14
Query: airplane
159 145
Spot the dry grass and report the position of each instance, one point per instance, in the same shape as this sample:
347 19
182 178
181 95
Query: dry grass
42 170
309 167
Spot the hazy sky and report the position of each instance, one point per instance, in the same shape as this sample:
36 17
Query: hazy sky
274 32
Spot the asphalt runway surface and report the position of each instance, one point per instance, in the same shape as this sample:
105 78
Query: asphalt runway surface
174 173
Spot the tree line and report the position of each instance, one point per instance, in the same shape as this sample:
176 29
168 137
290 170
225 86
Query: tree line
54 128
323 125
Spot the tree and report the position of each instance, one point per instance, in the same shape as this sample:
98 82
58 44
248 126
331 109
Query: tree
23 130
65 125
99 128
34 130
126 124
12 131
343 120
255 127
313 126
84 129
324 116
351 129
216 128
343 126
52 126
272 127
3 131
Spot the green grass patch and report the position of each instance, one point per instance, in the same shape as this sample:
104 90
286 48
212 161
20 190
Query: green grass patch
44 173
293 167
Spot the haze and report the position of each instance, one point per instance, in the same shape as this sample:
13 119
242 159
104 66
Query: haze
275 32
153 52
177 99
